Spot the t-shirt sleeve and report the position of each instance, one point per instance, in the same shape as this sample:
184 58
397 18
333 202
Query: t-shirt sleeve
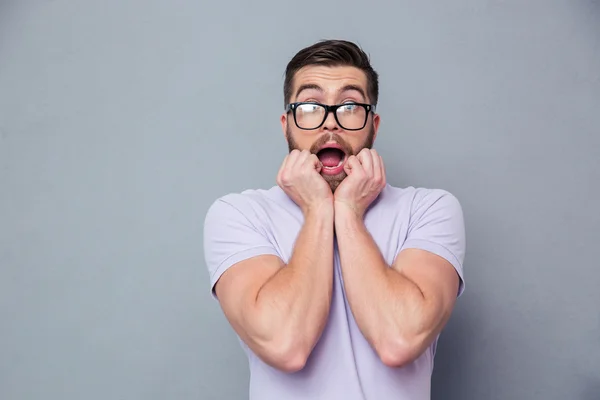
437 225
232 233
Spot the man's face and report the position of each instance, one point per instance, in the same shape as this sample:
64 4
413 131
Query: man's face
332 142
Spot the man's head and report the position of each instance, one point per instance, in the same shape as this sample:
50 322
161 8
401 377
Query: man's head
330 73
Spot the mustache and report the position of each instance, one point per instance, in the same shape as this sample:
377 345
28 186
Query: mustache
318 144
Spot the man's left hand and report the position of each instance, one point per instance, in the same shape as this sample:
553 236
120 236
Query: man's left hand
365 180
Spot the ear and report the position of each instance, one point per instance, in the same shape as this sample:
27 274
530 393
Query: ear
376 121
284 122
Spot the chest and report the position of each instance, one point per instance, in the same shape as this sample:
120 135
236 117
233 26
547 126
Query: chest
388 230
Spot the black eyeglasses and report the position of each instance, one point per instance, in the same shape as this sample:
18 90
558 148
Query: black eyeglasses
311 115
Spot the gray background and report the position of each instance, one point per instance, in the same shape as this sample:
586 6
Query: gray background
121 121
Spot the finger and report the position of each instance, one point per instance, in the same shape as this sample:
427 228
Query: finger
366 159
303 160
383 173
353 165
377 175
288 165
292 163
282 168
315 162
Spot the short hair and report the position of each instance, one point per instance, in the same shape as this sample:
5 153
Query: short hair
332 53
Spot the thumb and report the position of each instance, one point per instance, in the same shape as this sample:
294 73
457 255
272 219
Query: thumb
351 164
316 163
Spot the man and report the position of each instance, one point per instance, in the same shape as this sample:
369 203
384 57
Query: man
337 283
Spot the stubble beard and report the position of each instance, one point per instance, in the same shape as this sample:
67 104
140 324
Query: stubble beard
333 180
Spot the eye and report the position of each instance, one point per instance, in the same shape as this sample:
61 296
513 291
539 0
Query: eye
348 107
308 108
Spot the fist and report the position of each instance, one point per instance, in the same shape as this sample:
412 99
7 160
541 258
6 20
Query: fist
300 178
365 180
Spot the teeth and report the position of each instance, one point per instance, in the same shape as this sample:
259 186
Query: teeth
340 163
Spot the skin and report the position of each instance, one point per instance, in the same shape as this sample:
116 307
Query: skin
331 82
402 308
280 310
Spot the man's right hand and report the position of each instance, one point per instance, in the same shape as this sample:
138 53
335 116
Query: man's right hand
300 178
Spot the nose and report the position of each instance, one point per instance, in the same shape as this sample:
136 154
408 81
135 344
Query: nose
330 123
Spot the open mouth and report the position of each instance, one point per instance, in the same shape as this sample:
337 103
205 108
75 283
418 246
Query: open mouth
332 159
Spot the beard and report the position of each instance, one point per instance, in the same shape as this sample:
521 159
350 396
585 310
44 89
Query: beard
333 180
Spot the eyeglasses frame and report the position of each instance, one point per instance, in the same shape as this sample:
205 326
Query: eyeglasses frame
369 108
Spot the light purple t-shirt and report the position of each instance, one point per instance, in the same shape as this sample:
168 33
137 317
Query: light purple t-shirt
342 366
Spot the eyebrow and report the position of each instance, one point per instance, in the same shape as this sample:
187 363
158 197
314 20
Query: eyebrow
308 86
312 86
356 88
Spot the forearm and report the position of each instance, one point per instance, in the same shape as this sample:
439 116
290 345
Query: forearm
389 309
293 305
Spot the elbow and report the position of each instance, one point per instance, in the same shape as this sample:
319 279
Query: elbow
398 352
288 357
290 362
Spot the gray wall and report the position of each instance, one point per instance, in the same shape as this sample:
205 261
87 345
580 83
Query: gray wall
121 121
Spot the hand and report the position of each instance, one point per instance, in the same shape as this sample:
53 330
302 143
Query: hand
300 178
365 180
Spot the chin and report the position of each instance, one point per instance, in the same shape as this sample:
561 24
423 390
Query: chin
334 180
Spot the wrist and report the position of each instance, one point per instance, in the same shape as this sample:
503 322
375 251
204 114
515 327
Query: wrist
347 212
323 210
347 217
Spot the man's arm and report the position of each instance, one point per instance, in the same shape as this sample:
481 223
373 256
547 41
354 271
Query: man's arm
400 309
280 310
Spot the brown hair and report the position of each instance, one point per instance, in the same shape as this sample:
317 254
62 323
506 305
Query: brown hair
332 53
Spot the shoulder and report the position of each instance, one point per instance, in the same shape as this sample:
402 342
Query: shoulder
236 228
416 200
429 213
250 204
436 224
